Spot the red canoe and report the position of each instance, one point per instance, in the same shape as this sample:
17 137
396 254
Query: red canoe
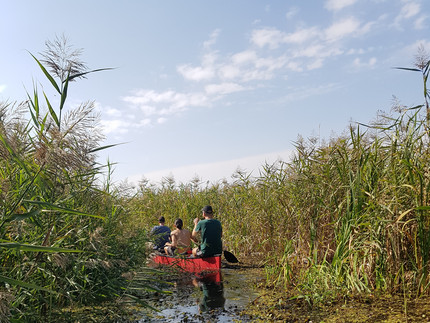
194 265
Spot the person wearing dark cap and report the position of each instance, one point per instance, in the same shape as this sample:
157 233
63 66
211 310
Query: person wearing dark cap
210 230
160 233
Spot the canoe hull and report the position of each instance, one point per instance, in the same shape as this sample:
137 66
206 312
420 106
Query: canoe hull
194 265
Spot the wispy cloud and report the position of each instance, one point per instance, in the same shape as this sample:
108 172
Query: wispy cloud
273 38
272 53
301 93
342 28
2 87
292 12
167 103
336 5
115 126
212 39
359 63
204 72
223 88
420 22
411 10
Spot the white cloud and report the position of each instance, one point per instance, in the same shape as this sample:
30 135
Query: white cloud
358 63
342 28
199 73
112 112
2 87
293 11
271 52
335 5
144 122
114 126
420 22
148 110
161 120
271 37
409 10
228 72
223 88
212 39
318 63
302 35
294 66
244 57
160 105
150 101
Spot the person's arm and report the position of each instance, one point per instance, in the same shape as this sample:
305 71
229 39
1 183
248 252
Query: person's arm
174 240
195 234
170 240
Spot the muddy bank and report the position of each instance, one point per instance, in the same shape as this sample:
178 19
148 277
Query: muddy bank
279 306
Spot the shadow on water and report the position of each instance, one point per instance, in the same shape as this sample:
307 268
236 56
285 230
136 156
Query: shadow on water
214 297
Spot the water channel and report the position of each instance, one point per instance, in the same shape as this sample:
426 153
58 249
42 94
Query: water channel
216 297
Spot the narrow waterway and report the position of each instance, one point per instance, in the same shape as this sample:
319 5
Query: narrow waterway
212 298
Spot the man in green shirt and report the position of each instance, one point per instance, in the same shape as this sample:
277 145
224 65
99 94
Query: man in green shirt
210 230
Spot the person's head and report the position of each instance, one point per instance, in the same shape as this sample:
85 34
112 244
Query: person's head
207 211
161 220
179 224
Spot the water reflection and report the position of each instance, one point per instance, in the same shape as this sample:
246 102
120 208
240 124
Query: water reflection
212 287
216 297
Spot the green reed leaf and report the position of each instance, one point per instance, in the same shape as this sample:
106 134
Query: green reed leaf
35 248
54 207
50 78
51 111
12 281
64 94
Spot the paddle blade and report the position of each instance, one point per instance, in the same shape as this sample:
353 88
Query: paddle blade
230 257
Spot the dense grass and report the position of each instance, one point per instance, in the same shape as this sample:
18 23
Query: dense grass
345 216
65 239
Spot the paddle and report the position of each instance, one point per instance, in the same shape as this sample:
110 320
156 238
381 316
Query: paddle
230 257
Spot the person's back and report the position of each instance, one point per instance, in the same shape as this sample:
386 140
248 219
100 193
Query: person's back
184 240
160 234
211 232
181 240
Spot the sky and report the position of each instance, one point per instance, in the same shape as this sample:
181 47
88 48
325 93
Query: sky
206 88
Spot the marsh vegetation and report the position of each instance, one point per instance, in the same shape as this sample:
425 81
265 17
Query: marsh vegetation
348 216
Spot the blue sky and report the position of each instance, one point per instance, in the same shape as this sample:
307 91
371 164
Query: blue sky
201 88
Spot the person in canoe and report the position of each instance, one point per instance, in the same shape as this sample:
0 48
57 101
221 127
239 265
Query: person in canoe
210 231
180 240
160 234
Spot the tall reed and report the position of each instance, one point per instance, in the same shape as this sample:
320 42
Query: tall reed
344 216
64 239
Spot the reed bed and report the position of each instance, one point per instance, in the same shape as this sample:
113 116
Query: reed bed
345 216
65 239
